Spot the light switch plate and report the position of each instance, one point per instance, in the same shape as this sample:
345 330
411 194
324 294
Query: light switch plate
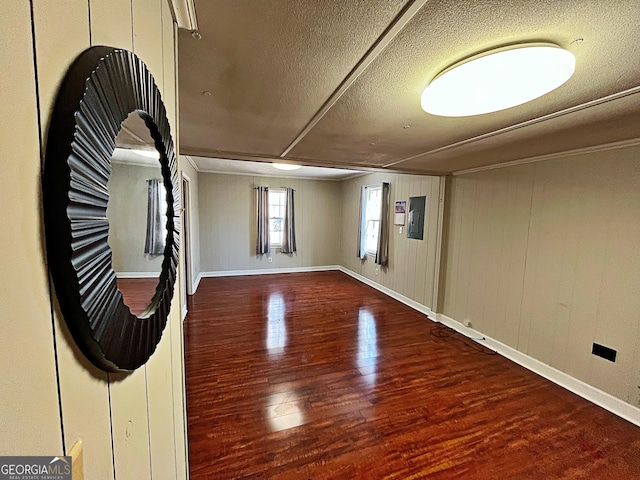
77 460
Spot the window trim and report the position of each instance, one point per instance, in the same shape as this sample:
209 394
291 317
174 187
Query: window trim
367 189
283 191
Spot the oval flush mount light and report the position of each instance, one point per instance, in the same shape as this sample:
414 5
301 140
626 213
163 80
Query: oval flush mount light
498 79
286 166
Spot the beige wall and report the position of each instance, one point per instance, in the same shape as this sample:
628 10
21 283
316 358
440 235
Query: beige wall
140 414
30 422
544 257
412 262
227 223
127 214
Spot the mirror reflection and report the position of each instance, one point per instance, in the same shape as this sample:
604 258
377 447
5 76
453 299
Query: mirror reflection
137 215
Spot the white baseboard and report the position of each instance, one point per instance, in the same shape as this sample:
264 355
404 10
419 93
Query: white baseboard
392 293
194 287
137 274
586 391
580 388
184 312
265 271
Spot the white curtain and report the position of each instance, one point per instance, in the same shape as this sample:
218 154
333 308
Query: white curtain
154 243
262 242
289 231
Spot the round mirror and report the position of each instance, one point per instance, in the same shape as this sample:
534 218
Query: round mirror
107 104
137 215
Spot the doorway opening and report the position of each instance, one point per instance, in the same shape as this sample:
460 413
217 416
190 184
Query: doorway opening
186 247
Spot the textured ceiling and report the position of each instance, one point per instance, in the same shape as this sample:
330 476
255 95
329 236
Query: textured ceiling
338 82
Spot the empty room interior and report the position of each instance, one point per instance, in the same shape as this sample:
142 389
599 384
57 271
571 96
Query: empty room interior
322 238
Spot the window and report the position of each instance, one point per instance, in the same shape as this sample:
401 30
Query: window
277 203
372 205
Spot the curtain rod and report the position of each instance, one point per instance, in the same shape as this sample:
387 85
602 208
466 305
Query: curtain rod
255 188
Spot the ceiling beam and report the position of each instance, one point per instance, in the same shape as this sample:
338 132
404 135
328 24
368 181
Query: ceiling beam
383 41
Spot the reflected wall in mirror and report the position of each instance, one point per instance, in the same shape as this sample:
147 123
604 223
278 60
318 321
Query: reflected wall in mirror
136 211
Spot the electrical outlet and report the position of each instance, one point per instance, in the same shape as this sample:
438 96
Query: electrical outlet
400 231
270 259
377 270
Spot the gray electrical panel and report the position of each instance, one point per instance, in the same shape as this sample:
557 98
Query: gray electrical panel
415 228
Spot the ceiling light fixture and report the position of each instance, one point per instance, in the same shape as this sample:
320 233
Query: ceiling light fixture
286 166
498 79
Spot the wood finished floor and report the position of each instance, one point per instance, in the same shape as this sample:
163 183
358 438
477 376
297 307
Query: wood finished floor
318 376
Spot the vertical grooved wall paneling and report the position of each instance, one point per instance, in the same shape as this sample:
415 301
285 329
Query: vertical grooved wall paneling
174 329
544 257
411 269
104 31
147 406
30 422
59 40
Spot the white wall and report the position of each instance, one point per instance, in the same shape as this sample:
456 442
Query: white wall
412 262
544 257
228 223
141 414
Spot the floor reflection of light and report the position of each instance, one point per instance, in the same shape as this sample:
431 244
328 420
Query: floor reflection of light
367 356
276 325
283 411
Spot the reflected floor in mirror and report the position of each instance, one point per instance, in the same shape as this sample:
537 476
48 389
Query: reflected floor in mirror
137 292
315 375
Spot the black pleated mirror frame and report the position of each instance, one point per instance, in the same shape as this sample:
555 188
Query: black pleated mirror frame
99 91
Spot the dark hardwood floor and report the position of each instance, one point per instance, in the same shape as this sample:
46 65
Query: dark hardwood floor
319 376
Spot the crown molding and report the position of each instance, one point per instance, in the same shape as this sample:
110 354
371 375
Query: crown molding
193 164
577 108
552 156
184 13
